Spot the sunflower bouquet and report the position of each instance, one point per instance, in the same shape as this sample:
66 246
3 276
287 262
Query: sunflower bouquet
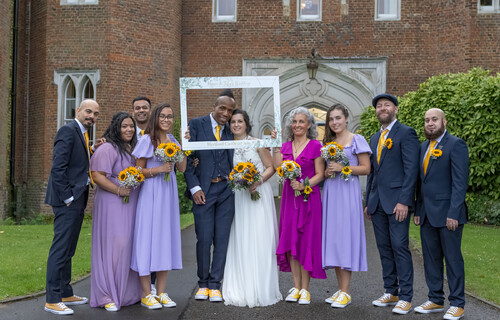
130 177
243 175
169 152
332 151
289 170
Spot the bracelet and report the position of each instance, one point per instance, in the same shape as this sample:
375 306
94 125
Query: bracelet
118 191
150 172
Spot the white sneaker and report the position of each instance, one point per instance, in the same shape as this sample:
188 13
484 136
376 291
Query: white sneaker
332 298
342 301
165 301
293 295
305 297
111 307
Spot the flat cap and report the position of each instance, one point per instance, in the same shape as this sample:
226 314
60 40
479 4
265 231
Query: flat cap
387 96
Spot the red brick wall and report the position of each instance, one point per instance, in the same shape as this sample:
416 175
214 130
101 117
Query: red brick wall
6 8
432 37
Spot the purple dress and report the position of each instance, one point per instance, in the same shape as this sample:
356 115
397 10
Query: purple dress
344 243
157 236
111 279
300 222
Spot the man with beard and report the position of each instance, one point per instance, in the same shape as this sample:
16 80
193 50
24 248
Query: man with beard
390 195
441 213
141 109
67 193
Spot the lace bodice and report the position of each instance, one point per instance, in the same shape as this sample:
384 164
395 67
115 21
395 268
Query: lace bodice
248 154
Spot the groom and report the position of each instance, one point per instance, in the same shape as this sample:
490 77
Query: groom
213 199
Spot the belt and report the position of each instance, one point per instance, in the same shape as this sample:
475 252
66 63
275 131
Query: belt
216 180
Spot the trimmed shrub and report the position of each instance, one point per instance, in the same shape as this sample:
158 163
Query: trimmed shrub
471 102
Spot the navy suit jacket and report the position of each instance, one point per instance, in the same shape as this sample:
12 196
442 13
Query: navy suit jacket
442 190
70 166
394 179
201 130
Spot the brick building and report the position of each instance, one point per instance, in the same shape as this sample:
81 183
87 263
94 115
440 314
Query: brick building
65 50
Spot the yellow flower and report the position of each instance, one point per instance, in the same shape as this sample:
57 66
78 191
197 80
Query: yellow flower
122 176
140 178
250 165
253 172
247 177
289 166
162 145
346 170
388 143
437 153
188 153
231 175
332 151
308 190
132 171
170 151
240 167
280 171
177 148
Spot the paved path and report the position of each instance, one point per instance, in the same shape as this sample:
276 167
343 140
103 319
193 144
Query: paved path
181 284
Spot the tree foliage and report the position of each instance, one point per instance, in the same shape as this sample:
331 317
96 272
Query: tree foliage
471 102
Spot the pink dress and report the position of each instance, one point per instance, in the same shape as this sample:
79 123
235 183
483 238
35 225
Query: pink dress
300 222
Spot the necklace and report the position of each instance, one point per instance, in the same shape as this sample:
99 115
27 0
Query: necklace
297 149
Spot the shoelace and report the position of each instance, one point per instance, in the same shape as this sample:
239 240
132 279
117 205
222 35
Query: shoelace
216 293
342 295
164 296
292 290
386 296
426 304
401 304
151 297
452 310
62 306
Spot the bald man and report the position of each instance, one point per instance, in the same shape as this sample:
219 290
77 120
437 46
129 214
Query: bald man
67 193
441 213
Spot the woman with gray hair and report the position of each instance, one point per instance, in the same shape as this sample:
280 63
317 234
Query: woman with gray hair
299 247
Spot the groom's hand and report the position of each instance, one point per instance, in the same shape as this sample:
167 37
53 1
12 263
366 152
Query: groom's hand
199 197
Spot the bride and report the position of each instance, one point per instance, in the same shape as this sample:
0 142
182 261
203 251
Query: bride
251 272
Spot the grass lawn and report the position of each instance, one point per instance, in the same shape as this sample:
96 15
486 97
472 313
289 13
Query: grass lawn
481 252
24 250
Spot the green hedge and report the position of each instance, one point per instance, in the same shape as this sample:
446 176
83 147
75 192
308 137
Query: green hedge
471 102
185 205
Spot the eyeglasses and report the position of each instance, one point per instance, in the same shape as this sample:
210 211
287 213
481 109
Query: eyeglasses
163 117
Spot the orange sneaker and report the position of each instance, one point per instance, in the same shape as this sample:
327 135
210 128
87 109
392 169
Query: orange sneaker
201 294
58 308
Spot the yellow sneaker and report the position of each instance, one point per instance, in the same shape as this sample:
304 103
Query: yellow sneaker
165 301
74 300
385 300
201 294
305 297
342 301
332 298
58 308
150 302
429 307
402 307
454 313
215 295
293 295
111 307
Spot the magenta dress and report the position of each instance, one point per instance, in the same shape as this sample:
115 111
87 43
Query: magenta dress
157 235
111 279
343 234
300 222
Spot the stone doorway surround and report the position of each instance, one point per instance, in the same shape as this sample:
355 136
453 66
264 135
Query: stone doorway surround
350 81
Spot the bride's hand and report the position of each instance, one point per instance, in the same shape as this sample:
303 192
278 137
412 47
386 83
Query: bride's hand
254 186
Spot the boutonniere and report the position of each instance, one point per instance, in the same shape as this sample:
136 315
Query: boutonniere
388 144
436 153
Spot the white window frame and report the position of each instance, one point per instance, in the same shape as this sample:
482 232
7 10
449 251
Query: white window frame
78 2
79 79
217 18
494 8
388 17
309 17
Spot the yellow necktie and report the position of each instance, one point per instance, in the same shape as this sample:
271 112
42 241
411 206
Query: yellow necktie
381 142
142 132
86 135
428 155
217 132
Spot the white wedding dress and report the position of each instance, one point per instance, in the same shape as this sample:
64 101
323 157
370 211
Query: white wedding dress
251 272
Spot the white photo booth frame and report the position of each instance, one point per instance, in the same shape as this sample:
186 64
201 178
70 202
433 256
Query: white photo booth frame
230 83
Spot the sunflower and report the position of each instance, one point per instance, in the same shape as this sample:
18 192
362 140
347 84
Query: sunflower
162 145
308 190
231 175
388 143
437 153
332 151
188 153
280 171
240 167
253 172
170 151
177 148
346 170
250 165
132 171
139 178
122 176
247 177
289 166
